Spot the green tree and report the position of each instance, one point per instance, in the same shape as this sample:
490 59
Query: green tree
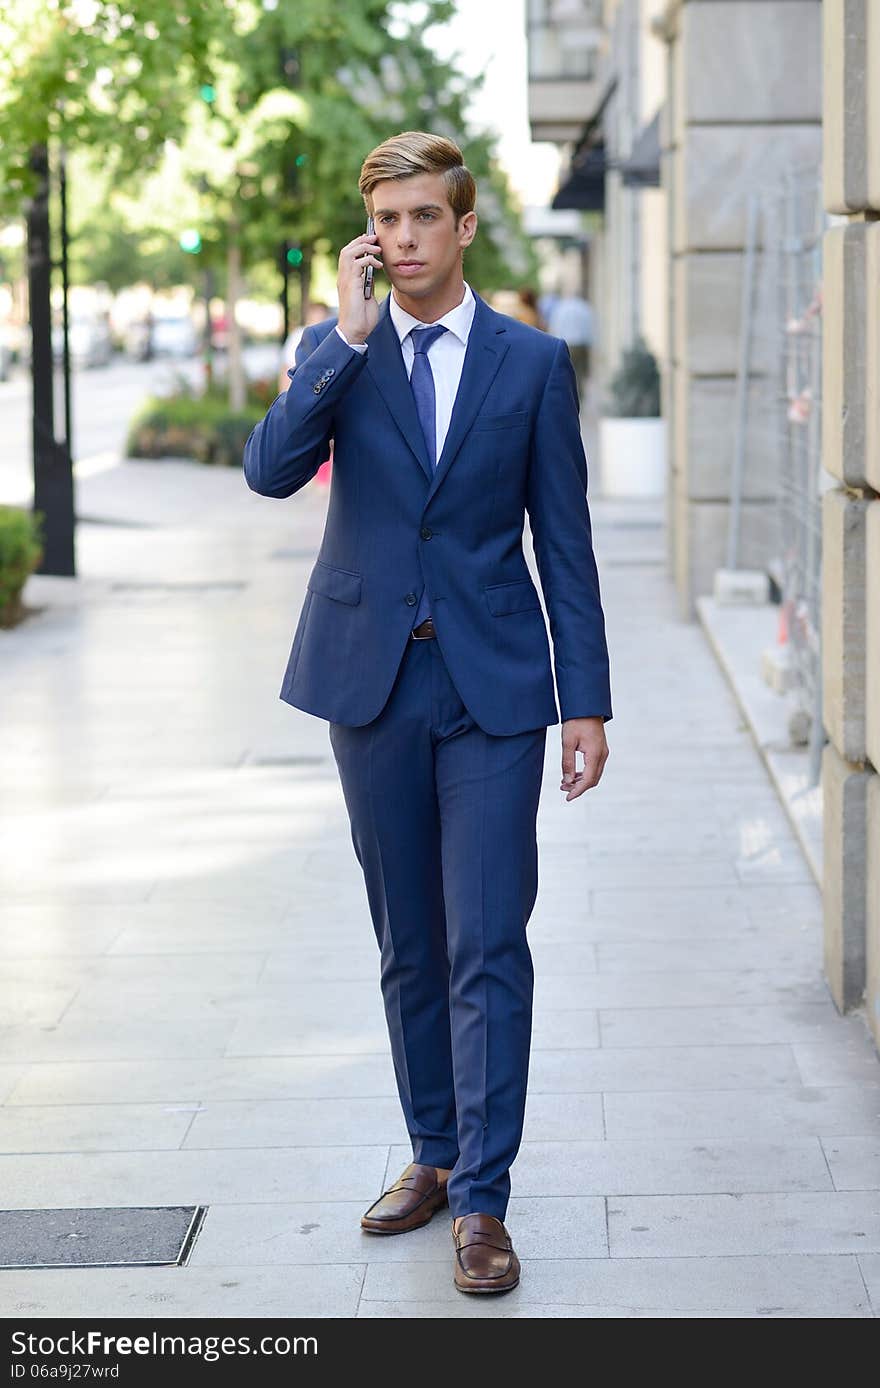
292 111
97 75
255 115
127 235
351 78
89 74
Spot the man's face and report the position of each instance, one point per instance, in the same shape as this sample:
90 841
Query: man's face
421 245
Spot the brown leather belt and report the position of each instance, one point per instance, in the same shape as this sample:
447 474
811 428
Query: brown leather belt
424 631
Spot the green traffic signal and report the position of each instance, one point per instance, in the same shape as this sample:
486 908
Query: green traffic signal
294 255
208 92
190 241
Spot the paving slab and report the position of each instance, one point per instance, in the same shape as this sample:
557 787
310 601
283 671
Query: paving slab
727 1113
854 1162
710 1286
187 1292
795 1222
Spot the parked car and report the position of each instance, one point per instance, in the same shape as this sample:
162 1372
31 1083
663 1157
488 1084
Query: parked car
174 337
89 339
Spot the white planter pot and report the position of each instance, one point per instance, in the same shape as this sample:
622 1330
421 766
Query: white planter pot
633 457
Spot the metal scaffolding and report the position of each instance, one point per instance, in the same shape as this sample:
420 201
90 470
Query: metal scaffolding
779 413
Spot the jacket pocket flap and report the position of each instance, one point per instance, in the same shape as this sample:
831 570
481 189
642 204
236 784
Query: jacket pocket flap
519 596
501 421
330 582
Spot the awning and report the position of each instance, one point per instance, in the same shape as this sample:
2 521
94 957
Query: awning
585 186
642 168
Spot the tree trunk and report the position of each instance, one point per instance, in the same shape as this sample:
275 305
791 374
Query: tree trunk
237 382
305 282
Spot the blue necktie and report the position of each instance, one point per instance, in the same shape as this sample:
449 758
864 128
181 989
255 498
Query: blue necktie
422 382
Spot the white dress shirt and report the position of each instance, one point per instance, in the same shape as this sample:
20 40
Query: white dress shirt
446 354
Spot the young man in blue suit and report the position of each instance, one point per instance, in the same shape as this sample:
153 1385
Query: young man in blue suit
423 644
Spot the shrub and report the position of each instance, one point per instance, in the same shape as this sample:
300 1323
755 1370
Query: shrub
21 550
185 425
635 386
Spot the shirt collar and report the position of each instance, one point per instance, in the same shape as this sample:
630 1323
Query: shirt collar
458 320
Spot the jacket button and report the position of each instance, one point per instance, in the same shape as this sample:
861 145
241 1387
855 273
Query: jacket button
410 599
425 533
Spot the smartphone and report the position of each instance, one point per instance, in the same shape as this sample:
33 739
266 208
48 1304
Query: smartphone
368 270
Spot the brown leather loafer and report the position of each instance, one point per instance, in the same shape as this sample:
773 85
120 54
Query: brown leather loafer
484 1257
408 1204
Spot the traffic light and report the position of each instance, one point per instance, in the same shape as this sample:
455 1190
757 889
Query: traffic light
290 66
292 168
291 257
190 241
208 93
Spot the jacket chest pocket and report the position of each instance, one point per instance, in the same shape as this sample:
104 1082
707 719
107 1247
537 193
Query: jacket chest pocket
516 419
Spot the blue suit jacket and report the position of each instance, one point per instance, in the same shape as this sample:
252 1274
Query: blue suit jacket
393 524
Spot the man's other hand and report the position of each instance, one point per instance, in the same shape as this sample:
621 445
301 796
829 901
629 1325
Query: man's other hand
587 736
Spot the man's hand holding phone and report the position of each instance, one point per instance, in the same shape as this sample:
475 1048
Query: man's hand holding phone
358 315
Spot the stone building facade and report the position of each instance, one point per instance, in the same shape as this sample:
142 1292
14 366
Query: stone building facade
851 518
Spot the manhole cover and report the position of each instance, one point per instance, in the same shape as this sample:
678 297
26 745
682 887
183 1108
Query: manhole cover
129 1237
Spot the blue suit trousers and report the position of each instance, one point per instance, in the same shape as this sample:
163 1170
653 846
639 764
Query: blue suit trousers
443 823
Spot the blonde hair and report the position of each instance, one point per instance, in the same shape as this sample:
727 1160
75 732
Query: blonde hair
414 152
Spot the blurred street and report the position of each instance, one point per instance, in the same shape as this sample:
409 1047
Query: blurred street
104 400
190 980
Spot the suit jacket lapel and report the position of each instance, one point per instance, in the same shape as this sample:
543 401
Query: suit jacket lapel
486 349
385 365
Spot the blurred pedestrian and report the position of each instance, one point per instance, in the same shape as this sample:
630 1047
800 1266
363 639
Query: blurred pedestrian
572 318
520 304
527 310
422 642
546 302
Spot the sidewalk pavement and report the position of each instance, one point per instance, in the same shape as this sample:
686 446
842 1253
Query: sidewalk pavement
190 984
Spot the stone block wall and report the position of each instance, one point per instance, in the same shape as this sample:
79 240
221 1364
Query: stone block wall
851 512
